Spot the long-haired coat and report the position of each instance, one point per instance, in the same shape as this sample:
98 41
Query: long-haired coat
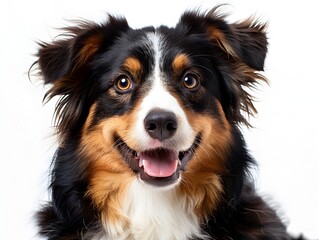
148 125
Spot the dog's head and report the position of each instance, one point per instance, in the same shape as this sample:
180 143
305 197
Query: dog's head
156 104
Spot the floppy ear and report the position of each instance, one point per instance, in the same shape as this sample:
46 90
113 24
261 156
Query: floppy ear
245 41
245 47
63 63
66 56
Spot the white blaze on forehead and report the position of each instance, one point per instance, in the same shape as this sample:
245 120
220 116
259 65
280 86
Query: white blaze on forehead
159 97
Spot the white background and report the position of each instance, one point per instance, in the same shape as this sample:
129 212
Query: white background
285 140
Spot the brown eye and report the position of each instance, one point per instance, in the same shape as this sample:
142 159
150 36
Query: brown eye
191 80
123 83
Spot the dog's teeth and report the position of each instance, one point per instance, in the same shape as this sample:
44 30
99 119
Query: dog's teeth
141 163
179 163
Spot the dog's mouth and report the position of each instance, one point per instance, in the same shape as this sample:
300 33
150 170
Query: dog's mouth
159 166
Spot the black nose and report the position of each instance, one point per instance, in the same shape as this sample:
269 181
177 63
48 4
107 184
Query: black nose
160 124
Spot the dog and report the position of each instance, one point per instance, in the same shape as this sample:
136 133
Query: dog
149 128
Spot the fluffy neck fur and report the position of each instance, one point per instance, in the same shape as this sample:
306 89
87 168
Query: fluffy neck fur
157 214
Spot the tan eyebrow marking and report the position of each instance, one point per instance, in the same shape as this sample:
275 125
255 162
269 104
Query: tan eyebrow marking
180 62
133 65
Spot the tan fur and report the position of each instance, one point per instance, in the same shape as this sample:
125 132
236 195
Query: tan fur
134 66
219 36
109 174
180 62
201 181
90 47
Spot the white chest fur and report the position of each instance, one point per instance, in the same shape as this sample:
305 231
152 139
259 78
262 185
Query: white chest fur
158 214
153 214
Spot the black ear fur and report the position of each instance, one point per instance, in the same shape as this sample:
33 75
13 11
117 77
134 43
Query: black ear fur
244 45
252 41
81 42
54 59
245 41
64 62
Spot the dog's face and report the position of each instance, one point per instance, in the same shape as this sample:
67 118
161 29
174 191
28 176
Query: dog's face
155 105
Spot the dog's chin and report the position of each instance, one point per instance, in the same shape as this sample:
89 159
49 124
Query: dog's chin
158 167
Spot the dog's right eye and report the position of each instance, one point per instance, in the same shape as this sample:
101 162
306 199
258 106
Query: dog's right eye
123 83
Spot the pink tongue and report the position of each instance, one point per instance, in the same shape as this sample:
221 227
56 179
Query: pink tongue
159 163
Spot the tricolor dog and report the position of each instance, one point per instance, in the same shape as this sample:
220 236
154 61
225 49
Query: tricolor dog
148 125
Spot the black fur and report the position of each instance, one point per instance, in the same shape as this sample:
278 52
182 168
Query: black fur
82 80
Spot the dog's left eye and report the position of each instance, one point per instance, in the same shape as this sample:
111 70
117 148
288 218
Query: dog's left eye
191 81
123 83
